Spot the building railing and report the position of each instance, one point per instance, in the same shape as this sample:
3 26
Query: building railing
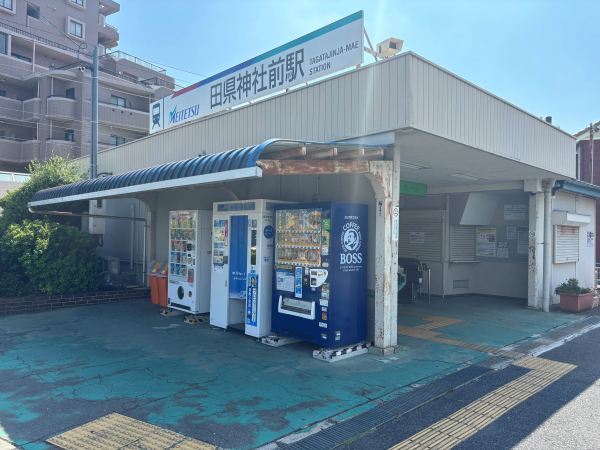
103 70
157 81
135 59
61 96
120 106
14 177
15 139
37 38
110 26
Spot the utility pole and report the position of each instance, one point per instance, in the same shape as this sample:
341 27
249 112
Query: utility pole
94 136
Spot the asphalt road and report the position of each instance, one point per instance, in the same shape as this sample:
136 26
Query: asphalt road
564 415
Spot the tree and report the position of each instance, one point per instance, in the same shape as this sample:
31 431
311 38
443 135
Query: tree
53 172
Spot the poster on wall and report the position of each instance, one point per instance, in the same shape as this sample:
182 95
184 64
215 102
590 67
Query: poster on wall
502 249
523 241
511 233
515 212
486 242
417 237
590 238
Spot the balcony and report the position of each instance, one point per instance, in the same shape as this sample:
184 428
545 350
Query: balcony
19 150
11 108
31 109
134 59
108 36
62 148
61 107
123 117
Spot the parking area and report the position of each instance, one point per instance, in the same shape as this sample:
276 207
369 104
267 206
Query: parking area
62 369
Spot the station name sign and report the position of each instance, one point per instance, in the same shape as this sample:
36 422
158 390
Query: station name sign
330 49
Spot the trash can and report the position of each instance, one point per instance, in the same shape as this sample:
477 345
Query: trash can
162 281
155 267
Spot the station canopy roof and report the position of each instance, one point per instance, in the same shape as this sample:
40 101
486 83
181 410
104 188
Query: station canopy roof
232 165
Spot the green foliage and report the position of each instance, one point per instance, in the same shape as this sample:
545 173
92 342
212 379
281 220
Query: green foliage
52 258
54 172
571 286
13 285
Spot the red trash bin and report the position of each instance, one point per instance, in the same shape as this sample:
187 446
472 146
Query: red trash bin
162 281
155 267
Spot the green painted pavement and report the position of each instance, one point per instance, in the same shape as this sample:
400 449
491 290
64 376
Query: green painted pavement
63 368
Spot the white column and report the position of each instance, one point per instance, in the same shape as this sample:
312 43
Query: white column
536 251
547 244
381 175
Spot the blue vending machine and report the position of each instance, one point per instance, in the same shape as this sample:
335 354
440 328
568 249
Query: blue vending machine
320 278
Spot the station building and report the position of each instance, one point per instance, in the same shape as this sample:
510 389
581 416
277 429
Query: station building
486 191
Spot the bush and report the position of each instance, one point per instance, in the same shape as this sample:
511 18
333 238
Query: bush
49 257
46 174
13 285
571 286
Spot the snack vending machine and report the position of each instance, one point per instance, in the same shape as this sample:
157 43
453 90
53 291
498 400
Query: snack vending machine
320 273
242 265
189 261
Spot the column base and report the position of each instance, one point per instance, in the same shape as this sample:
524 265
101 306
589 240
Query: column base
386 351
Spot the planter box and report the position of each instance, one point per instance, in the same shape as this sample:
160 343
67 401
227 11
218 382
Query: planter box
576 302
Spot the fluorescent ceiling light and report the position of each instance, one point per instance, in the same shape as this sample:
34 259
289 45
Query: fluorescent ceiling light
468 177
410 165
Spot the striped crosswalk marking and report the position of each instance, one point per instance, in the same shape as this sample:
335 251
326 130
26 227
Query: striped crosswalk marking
467 421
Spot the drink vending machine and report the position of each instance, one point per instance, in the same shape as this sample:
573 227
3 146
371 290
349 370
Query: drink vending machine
189 261
320 273
242 265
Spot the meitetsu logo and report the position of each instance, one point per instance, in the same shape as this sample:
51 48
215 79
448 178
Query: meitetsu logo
351 240
188 113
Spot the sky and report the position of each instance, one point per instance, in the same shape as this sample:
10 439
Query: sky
542 56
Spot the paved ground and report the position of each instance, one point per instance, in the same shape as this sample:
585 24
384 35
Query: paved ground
62 369
563 415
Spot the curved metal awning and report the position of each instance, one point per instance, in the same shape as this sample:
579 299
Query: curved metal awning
232 165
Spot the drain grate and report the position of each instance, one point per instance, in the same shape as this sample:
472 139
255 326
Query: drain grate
590 321
337 434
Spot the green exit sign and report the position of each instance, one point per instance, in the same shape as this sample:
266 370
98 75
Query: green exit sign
408 188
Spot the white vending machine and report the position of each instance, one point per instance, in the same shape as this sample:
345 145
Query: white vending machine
242 265
189 260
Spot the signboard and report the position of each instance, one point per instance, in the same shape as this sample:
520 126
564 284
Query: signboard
395 223
502 249
417 237
515 212
486 242
251 299
322 52
590 238
408 188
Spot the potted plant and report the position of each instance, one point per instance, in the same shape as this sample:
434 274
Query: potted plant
574 298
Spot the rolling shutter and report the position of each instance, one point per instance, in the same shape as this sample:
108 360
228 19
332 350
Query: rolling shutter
426 242
462 243
566 244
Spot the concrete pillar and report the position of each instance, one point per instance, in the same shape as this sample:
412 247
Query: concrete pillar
536 250
547 276
385 180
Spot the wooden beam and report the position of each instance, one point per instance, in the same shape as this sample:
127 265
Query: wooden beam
320 154
284 154
352 154
271 167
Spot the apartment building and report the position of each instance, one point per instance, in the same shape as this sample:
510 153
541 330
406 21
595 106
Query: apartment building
45 85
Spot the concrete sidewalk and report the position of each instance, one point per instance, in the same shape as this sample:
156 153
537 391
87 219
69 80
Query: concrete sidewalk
64 368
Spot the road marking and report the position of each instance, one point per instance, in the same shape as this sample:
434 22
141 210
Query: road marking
115 431
467 421
424 332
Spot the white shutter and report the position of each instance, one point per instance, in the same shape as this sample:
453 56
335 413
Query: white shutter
430 249
566 244
462 243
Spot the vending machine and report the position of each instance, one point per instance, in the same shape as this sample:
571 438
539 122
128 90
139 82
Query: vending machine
189 261
320 273
242 264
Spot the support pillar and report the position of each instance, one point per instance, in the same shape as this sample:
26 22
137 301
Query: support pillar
385 180
536 251
547 277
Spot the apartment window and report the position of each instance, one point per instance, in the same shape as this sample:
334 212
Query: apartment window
3 39
78 2
22 58
6 4
117 140
71 93
76 29
70 135
117 101
2 93
33 11
2 134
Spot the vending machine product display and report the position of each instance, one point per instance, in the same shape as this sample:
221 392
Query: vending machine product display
189 260
320 273
242 264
